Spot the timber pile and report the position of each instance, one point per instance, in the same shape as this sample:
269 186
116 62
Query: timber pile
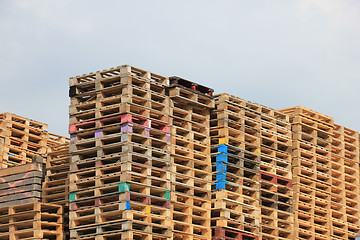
120 155
325 176
21 184
159 158
251 159
190 106
31 221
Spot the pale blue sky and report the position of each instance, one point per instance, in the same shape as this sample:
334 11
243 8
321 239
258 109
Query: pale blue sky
276 53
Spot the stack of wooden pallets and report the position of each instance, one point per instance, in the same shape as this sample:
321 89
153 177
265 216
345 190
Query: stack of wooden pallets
23 138
345 201
56 184
24 145
120 155
158 158
22 215
31 221
236 159
312 167
252 195
21 184
276 193
55 188
55 141
190 159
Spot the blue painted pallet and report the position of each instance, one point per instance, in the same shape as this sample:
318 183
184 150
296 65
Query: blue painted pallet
220 185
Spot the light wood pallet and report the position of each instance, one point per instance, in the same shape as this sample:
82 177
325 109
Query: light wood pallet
24 138
10 120
127 235
56 183
190 215
114 73
266 133
104 115
34 221
121 225
190 159
125 210
312 180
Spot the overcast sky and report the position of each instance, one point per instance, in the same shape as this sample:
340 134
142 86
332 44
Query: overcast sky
276 53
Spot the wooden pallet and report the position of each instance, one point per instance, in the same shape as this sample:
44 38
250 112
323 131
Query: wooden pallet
128 235
113 121
128 211
261 135
191 86
226 233
23 138
152 111
311 114
116 72
21 184
250 106
128 176
34 220
56 184
121 226
110 189
151 98
10 120
111 199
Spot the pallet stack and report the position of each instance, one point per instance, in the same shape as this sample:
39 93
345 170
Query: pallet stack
190 159
21 184
55 141
56 184
160 158
235 139
31 221
22 215
55 188
120 155
251 158
345 187
24 145
276 193
312 172
23 138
